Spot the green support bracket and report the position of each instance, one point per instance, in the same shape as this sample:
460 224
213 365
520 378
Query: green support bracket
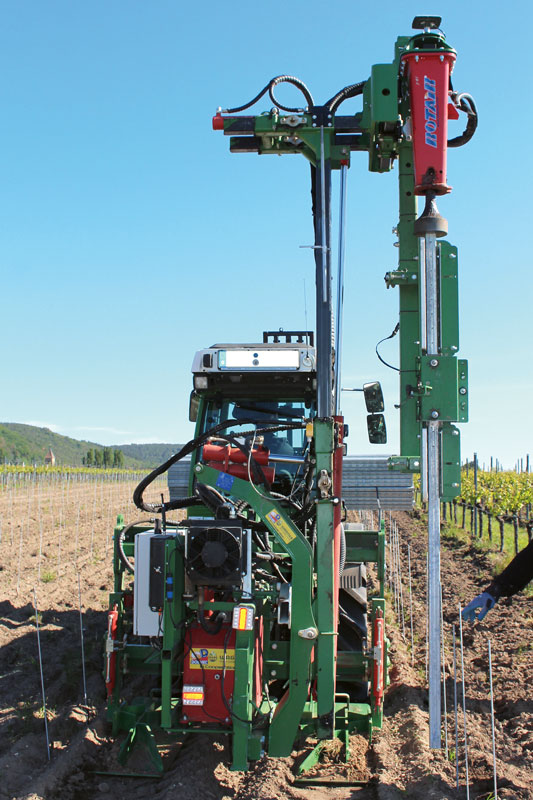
242 692
327 632
380 116
287 715
451 462
173 614
439 377
449 298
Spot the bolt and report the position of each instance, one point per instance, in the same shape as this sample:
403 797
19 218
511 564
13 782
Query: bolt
274 645
273 672
395 230
416 463
433 363
216 676
462 390
434 415
185 718
413 277
198 468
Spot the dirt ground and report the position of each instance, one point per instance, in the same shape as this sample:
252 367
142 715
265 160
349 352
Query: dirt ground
57 542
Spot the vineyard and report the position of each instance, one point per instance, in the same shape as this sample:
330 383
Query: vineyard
55 548
504 498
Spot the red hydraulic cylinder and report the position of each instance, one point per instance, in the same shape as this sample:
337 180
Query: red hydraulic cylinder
428 75
241 471
227 454
111 656
378 637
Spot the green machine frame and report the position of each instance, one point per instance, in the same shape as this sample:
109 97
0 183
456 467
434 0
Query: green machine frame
309 661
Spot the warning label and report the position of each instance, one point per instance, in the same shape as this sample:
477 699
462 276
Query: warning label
211 658
280 526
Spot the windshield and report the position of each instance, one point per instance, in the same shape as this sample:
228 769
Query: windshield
265 414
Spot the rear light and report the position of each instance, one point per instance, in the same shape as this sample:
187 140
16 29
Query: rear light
193 695
243 618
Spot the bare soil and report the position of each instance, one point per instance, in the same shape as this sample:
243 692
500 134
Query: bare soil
50 539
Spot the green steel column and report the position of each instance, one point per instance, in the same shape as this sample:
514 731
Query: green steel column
409 289
172 616
325 602
288 713
242 693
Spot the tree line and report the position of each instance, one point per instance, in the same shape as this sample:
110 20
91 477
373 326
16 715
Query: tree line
105 457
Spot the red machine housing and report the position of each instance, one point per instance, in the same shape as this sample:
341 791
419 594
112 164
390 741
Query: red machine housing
204 666
429 79
111 656
234 461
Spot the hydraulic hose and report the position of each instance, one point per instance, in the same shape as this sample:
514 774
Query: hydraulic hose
128 566
270 89
352 90
157 508
342 555
465 102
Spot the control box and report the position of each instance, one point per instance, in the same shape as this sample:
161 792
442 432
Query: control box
148 591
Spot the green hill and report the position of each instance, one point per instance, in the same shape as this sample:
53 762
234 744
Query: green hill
150 454
30 444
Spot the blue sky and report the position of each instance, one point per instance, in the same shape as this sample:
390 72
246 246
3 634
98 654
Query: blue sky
130 237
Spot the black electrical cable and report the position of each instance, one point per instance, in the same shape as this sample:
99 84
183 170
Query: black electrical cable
257 470
465 102
185 451
352 90
122 536
211 628
396 369
191 651
392 335
273 82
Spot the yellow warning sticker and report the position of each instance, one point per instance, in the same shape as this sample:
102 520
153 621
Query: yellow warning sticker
211 658
280 526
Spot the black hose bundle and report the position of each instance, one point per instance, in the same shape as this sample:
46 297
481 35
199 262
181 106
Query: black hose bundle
187 449
332 104
352 90
465 102
273 82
